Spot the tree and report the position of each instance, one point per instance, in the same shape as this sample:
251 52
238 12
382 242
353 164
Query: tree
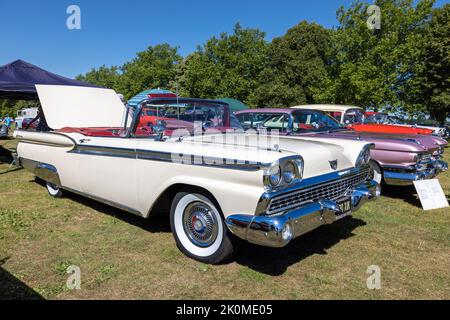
296 71
152 68
104 76
228 66
429 89
371 66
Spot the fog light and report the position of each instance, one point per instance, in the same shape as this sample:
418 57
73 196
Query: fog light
287 232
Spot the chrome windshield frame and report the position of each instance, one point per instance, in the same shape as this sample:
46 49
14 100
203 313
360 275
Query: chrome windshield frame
139 107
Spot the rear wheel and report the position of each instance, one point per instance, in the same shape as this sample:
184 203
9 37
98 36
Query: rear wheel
54 190
198 228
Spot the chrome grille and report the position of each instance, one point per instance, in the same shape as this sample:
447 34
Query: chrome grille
329 190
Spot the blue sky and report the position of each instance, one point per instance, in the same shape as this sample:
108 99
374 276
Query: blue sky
113 31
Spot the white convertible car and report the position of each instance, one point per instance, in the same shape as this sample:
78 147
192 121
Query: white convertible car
216 190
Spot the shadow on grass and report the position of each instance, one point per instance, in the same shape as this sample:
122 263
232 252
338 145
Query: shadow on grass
155 224
262 259
275 261
5 155
407 194
14 289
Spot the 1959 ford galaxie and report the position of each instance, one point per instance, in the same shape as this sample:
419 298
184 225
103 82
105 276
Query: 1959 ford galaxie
219 188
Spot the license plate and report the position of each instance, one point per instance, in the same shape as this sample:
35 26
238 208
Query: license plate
346 208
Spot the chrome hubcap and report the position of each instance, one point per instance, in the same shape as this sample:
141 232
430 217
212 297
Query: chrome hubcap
200 224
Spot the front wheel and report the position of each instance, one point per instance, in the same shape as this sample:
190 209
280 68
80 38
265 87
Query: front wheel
198 228
54 190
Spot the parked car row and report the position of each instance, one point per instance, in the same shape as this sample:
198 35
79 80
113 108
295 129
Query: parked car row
396 159
224 178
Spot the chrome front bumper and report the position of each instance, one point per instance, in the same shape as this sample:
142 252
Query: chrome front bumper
404 177
278 230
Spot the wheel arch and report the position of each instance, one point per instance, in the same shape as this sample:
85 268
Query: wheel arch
164 200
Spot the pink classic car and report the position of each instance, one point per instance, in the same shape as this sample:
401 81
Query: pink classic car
396 159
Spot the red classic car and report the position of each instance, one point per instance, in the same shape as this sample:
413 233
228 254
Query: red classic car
354 118
150 116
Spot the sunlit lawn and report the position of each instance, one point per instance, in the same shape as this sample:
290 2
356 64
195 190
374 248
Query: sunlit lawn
127 257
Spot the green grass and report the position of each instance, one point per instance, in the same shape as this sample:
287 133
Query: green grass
126 257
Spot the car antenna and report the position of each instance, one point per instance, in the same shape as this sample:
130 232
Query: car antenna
177 90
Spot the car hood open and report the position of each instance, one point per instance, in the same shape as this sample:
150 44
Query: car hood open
70 106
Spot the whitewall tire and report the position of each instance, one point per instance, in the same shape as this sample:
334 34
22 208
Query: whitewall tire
198 228
54 190
377 172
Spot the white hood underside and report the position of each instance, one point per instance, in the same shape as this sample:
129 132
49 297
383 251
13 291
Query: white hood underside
70 106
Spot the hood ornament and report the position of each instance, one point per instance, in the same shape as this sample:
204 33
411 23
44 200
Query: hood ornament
333 164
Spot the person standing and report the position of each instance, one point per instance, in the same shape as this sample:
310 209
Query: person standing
7 121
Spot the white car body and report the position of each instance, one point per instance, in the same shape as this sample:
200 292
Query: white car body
135 174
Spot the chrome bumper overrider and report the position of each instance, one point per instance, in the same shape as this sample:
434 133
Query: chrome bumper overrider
268 230
402 177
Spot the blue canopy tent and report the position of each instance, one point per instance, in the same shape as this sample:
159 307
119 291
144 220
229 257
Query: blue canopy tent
18 80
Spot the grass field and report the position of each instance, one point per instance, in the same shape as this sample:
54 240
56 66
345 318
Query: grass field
122 256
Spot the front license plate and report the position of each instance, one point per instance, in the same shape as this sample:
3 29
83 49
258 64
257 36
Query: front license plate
346 208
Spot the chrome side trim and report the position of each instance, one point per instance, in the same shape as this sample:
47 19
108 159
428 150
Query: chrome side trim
44 171
107 202
163 156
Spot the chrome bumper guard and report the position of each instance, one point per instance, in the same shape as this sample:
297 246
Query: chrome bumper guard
402 177
278 230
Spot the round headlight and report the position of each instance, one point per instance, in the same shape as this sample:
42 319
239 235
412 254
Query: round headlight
289 172
275 175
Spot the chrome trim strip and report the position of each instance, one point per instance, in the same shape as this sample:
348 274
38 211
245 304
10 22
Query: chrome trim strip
405 177
163 156
44 171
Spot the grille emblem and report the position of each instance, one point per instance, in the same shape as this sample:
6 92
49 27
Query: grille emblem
334 164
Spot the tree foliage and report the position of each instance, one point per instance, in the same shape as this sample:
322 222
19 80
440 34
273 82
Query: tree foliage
228 66
403 65
152 68
296 71
371 66
429 89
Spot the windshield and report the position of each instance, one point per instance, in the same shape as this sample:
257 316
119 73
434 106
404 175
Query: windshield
314 121
186 115
354 116
301 121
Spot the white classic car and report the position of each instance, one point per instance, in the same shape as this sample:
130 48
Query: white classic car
216 190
